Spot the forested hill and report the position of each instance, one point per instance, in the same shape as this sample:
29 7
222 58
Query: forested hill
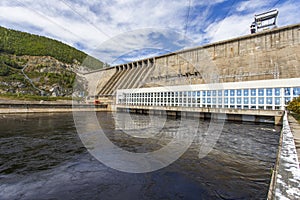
20 43
36 65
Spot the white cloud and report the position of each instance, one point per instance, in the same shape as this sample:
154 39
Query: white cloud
120 26
230 27
252 5
164 40
238 24
289 13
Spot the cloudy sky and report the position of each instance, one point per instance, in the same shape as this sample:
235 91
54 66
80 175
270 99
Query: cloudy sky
119 31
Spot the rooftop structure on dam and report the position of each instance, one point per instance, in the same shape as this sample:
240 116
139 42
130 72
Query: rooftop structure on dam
266 57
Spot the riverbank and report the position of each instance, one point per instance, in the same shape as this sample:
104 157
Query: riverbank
14 101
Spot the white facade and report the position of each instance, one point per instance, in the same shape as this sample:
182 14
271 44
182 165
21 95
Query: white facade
265 94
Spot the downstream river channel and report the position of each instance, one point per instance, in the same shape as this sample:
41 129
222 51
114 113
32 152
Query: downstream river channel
43 157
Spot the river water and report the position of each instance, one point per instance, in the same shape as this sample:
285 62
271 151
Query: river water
42 157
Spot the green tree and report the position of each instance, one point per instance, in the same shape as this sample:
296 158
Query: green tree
294 105
4 70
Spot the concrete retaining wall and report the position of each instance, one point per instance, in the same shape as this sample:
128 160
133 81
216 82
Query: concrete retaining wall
264 116
285 183
48 108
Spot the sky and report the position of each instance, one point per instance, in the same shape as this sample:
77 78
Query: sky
121 31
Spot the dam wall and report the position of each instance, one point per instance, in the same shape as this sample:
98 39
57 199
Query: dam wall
265 55
272 54
96 80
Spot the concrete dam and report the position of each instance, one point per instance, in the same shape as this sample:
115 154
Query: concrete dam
247 77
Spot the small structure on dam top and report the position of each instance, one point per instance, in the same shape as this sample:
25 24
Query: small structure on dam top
264 20
252 75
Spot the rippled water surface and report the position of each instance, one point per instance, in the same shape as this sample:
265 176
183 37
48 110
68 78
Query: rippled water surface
42 157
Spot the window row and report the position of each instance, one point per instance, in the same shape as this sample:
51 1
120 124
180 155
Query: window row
219 93
245 100
260 98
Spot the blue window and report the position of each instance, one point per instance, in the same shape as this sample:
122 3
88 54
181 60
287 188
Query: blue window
277 91
253 100
239 93
214 93
287 91
203 100
296 91
246 100
209 100
231 92
239 100
189 93
269 100
261 92
246 92
220 100
204 93
277 101
176 94
253 92
198 93
219 92
226 100
231 100
260 100
214 100
208 93
226 93
269 91
287 99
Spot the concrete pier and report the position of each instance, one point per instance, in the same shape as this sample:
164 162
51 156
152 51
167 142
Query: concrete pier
295 128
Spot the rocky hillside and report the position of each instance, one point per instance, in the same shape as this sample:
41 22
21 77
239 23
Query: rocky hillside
31 64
